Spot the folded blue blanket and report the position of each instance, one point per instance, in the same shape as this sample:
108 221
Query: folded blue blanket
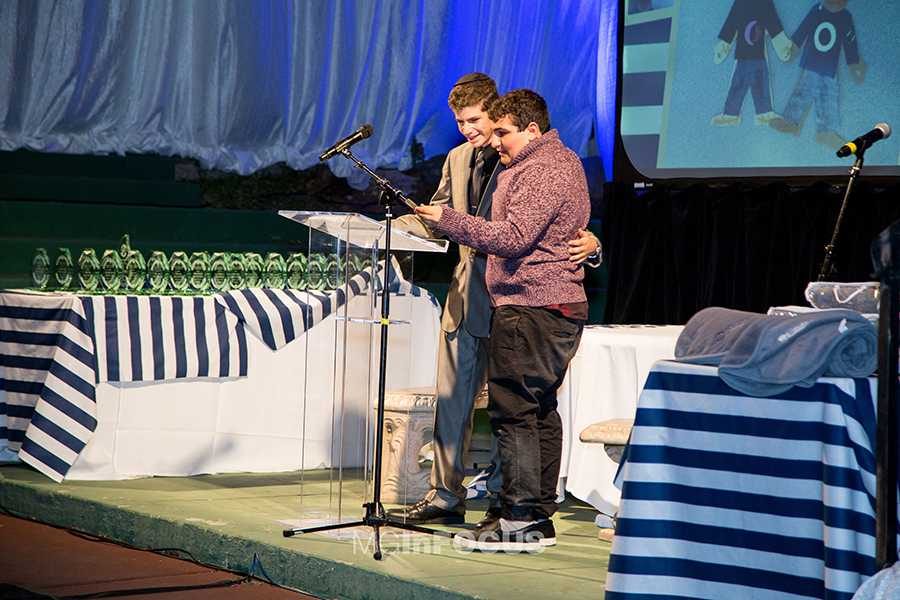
764 355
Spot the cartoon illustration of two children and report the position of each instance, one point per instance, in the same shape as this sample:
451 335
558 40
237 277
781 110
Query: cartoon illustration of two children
825 31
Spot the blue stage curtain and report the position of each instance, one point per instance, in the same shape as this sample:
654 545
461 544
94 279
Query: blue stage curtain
607 67
241 84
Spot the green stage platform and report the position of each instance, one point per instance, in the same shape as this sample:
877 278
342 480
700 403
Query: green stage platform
226 520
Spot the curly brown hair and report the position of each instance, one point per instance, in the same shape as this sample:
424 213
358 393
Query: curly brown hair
472 89
522 107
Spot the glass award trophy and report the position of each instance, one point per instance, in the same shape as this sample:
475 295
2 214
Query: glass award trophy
112 271
40 269
275 271
334 272
218 272
179 272
237 271
63 269
135 272
255 269
316 271
89 271
199 263
296 271
125 247
158 272
357 264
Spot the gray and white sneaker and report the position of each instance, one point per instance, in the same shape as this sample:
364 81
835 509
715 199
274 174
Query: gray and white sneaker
508 536
492 515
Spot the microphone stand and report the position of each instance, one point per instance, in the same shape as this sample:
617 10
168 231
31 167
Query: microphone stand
828 269
375 515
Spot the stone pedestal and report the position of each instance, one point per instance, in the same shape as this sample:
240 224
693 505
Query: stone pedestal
408 427
406 449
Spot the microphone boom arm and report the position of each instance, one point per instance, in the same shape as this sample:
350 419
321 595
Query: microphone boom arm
386 186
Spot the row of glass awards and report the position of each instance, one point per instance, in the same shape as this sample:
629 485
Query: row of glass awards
125 271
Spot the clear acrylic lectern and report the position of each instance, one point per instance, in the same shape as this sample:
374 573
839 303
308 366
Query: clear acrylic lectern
344 261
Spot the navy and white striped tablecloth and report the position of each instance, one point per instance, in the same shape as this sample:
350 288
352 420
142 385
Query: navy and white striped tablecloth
55 348
47 376
158 338
277 317
728 496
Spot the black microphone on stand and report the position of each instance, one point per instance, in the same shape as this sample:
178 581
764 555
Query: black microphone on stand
357 136
881 131
857 147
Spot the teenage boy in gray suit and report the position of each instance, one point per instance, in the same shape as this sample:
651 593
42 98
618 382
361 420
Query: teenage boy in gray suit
468 179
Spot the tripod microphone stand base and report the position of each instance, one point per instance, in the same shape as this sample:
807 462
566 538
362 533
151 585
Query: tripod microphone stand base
376 518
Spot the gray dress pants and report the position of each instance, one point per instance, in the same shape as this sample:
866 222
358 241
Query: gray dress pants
461 375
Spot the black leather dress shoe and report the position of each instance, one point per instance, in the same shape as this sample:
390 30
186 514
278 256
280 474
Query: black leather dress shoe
424 511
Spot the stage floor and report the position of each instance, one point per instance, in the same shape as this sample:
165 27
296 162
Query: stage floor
227 520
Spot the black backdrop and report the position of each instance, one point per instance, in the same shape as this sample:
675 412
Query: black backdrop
673 249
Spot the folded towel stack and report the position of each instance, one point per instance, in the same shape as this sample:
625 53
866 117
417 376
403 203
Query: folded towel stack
764 355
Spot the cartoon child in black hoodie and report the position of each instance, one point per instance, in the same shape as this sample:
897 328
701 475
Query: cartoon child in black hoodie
748 22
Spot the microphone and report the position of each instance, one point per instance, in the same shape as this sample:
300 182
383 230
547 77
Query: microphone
882 131
357 136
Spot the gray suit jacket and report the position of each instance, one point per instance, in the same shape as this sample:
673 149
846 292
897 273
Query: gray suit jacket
468 303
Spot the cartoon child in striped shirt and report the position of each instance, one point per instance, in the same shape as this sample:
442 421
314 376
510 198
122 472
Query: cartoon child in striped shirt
826 30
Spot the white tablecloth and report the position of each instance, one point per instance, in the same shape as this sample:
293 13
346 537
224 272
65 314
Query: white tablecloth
256 423
604 382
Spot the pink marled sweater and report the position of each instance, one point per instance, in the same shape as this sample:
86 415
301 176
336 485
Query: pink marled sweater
540 203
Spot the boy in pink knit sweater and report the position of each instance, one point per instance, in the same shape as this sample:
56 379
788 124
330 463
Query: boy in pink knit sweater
540 203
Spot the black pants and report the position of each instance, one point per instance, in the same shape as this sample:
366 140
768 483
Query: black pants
530 350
